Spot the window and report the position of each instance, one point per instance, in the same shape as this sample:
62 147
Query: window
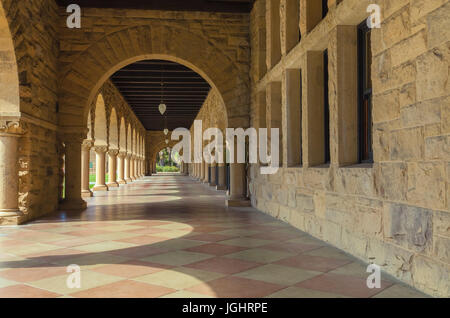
324 8
326 110
364 95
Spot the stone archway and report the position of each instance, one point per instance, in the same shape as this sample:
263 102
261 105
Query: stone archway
94 66
9 77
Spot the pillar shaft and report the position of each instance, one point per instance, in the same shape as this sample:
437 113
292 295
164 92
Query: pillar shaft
121 168
100 168
72 168
9 176
85 160
127 169
213 182
112 169
237 195
221 177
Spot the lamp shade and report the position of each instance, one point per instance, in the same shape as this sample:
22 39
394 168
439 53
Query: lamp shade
162 108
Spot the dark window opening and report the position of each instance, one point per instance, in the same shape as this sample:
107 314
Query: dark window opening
324 8
364 94
326 108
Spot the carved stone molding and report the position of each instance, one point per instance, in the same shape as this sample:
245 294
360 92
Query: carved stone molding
11 128
113 152
122 154
87 144
101 149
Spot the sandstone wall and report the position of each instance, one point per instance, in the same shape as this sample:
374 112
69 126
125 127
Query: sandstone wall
396 211
33 26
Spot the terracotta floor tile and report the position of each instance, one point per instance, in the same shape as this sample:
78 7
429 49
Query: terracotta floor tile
296 248
234 287
216 249
142 240
223 265
350 286
177 258
24 291
314 263
124 289
131 269
24 275
260 255
210 237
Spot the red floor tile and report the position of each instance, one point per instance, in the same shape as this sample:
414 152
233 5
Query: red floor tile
143 240
131 269
24 275
24 291
210 237
291 247
235 287
216 249
124 289
223 265
314 263
350 286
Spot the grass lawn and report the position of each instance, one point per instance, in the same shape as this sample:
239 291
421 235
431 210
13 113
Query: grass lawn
92 180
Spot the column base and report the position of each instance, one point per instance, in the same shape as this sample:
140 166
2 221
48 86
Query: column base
211 184
11 217
100 188
128 180
112 185
73 205
86 194
221 187
121 182
238 202
10 213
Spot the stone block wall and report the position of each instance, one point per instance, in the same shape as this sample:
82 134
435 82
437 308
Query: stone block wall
33 27
396 211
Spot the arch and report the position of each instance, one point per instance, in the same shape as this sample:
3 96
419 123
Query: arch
90 134
84 77
122 136
100 127
113 130
9 76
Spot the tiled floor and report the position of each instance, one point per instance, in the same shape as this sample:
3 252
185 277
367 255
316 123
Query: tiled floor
170 236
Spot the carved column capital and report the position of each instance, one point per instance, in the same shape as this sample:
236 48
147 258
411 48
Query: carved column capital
101 149
11 128
122 154
113 152
87 144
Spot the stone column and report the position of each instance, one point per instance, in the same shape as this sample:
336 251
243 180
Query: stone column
72 167
206 173
100 168
112 168
237 186
85 156
121 167
213 182
127 168
132 167
9 175
221 177
202 171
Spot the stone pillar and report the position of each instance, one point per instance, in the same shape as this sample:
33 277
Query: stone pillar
9 175
112 168
237 186
127 168
85 156
206 173
72 168
121 167
132 168
202 171
213 182
221 177
100 168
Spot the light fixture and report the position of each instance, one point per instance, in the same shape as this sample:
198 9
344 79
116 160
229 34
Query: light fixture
167 141
166 131
162 107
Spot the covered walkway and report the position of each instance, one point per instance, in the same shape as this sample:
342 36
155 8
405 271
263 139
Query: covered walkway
171 236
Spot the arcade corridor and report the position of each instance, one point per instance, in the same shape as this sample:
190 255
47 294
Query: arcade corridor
171 236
